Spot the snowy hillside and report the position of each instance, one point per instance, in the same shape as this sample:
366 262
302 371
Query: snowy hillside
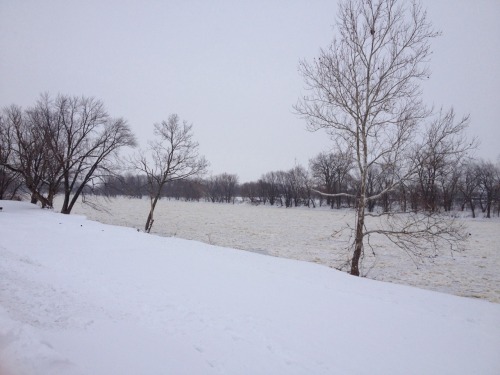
80 297
306 234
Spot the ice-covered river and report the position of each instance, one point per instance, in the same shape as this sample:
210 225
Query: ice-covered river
306 234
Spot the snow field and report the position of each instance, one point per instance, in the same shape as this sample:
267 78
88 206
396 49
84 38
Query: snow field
306 234
80 297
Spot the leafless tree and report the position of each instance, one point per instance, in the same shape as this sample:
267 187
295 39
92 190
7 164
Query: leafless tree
330 171
10 181
64 143
134 185
172 157
229 183
250 191
438 160
469 186
212 190
488 177
84 139
270 187
222 188
284 188
28 156
387 175
364 91
299 184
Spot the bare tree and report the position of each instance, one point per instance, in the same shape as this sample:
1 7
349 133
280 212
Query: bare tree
488 177
444 148
285 188
212 190
364 92
40 122
222 188
330 171
299 184
68 142
469 186
269 187
10 181
229 184
386 177
84 139
172 157
250 191
28 156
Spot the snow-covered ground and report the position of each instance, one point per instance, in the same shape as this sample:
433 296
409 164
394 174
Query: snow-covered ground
306 234
81 297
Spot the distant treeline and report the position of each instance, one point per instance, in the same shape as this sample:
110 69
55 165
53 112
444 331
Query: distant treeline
474 185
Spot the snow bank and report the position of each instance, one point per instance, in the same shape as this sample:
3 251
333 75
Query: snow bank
80 297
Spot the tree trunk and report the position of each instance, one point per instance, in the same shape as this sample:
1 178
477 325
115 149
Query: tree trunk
67 193
472 207
65 209
358 239
37 197
150 220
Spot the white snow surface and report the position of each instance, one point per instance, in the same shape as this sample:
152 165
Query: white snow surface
306 234
81 297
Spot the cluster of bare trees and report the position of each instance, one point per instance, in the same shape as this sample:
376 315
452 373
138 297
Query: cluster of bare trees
290 188
60 145
451 186
221 188
479 186
331 176
69 146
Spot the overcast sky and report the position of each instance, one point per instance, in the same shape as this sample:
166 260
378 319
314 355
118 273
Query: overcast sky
229 67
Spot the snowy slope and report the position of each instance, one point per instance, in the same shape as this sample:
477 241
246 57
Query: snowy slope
307 234
80 297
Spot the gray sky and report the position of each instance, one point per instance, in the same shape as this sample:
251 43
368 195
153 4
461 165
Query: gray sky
229 67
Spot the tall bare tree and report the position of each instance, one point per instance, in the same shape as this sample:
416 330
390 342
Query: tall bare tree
364 91
84 139
173 156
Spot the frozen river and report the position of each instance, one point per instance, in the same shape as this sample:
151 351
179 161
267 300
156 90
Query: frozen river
306 234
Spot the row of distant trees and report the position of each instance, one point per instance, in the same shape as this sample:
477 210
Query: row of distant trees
471 185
